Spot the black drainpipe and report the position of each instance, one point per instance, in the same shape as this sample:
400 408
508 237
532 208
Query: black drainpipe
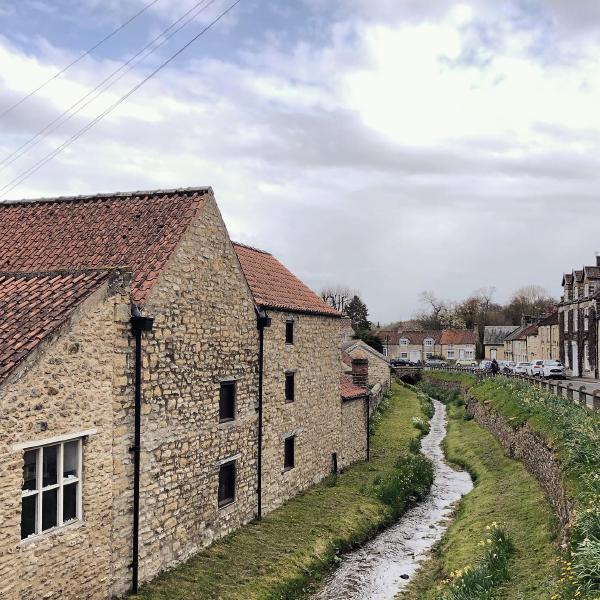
139 324
262 321
368 403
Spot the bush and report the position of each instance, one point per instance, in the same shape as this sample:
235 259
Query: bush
421 425
475 583
410 481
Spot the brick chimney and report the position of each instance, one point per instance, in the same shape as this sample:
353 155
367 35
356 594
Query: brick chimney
598 260
360 372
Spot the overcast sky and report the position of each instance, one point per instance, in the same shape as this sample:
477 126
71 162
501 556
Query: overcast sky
389 145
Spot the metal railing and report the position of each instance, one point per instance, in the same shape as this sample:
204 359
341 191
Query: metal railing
570 390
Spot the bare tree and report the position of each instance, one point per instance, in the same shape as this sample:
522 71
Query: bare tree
338 296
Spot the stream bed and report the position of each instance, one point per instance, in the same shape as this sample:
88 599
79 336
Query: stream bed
383 566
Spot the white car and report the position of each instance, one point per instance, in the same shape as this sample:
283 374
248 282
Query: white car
553 369
485 365
521 368
507 366
466 362
535 368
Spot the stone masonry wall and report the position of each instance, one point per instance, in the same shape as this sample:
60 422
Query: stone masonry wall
314 417
65 387
379 370
204 332
353 445
527 446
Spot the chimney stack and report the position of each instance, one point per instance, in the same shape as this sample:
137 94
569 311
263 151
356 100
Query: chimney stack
360 372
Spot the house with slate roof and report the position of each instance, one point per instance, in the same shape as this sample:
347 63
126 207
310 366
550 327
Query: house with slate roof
152 374
578 321
410 345
493 340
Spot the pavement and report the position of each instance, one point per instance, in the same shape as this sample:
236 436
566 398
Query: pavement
590 384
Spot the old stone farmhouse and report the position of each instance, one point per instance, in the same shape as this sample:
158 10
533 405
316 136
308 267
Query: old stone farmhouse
493 340
159 387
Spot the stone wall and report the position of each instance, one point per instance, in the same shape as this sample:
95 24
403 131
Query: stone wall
314 417
353 445
204 332
65 387
379 369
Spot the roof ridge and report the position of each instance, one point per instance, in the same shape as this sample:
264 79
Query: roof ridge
106 196
251 248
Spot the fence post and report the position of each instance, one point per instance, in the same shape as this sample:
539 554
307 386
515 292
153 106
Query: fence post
581 396
595 400
569 389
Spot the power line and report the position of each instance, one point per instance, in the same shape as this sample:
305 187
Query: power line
94 47
106 83
11 185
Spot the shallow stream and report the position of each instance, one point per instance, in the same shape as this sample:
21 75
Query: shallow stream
383 567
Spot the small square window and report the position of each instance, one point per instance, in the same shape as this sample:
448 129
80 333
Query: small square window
289 447
289 332
227 401
290 391
227 483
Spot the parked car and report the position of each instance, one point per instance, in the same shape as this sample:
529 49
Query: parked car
435 362
521 368
400 362
535 368
466 362
553 369
485 365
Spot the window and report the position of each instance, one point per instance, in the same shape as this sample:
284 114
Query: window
289 332
576 292
586 290
403 354
227 402
575 315
450 353
429 342
429 354
51 493
227 483
566 320
586 356
385 351
591 289
404 342
586 317
469 354
288 452
290 392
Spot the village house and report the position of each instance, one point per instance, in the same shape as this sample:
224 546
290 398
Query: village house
159 387
549 337
532 343
411 345
458 344
578 321
515 344
379 365
493 340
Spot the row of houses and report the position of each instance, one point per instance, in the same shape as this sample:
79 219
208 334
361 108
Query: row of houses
418 346
160 386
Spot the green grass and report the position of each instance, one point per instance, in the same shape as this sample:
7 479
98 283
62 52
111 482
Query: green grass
506 494
295 545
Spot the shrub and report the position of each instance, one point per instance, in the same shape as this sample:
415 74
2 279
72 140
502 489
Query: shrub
421 425
475 583
410 480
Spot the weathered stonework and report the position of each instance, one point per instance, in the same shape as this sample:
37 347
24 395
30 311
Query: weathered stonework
314 416
353 445
65 387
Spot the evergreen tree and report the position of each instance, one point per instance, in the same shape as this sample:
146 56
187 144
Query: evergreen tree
356 309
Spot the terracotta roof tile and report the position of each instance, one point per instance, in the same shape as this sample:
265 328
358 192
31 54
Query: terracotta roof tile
274 286
33 305
139 230
458 336
349 391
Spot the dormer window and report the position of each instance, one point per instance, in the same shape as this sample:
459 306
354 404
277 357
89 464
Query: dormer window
404 342
429 342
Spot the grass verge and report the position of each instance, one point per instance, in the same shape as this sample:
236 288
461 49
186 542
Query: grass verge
294 546
504 493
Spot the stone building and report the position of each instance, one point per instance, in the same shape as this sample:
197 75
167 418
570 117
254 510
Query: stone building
411 345
131 335
549 337
459 344
578 321
532 343
515 344
378 364
493 340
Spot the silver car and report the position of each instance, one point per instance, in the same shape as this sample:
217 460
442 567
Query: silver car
553 369
521 368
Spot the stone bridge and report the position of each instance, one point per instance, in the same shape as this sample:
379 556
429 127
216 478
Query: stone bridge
408 374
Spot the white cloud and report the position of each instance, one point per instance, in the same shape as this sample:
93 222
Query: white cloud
426 151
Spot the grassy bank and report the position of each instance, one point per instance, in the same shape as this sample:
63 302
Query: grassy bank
574 432
505 494
295 545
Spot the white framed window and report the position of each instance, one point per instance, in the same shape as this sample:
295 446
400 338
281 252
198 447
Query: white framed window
403 354
586 290
429 342
575 315
586 318
576 292
385 351
566 317
404 342
469 354
450 353
591 289
51 491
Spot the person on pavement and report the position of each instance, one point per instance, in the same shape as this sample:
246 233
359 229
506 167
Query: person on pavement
495 367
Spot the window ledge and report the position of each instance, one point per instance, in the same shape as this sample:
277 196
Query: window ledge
31 541
227 508
287 469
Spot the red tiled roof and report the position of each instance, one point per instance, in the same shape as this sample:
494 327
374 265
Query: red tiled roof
346 359
349 391
34 305
458 336
414 337
273 286
138 230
